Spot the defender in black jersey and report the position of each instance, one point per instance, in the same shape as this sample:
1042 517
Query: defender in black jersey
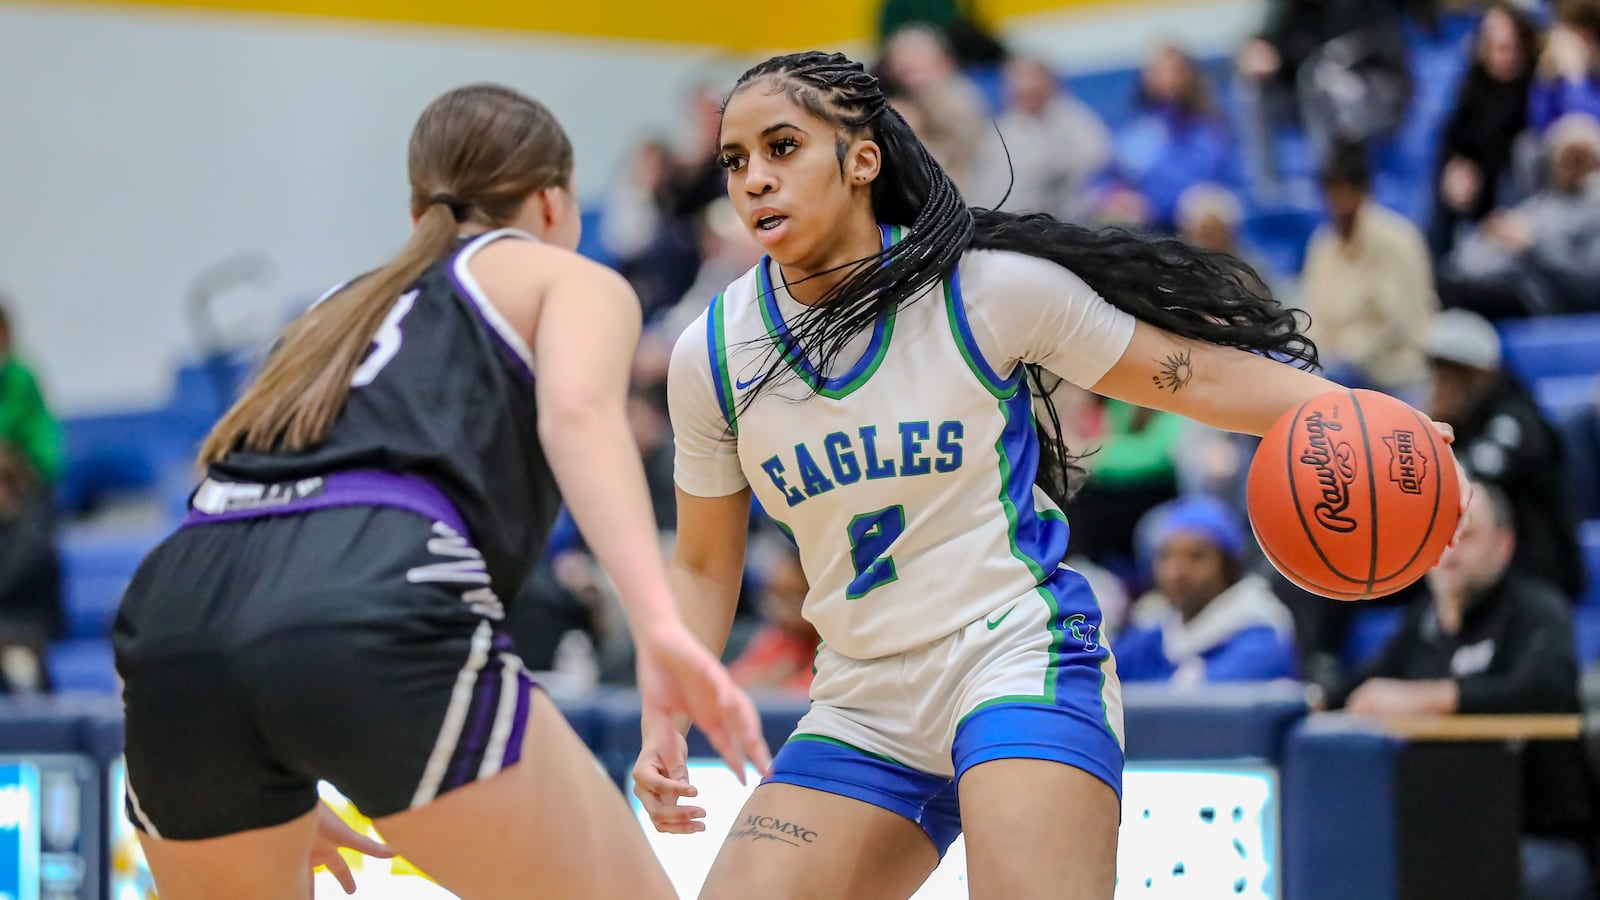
330 608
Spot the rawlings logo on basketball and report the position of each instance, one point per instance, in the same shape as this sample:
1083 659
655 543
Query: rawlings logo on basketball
1408 468
1336 468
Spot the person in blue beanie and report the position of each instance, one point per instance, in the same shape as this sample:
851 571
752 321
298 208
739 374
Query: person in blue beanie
1207 620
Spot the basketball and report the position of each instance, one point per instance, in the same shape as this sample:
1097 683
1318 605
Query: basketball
1353 495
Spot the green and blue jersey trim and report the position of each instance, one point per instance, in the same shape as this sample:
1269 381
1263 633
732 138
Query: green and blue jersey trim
824 739
717 347
956 309
1037 537
834 388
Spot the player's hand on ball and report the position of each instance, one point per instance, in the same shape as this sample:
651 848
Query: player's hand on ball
333 833
661 777
678 676
1448 432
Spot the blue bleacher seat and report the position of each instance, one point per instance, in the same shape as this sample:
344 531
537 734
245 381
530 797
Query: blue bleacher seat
90 601
83 665
589 244
1281 236
1589 540
1561 396
125 452
1549 347
1586 628
1580 432
95 569
133 451
1370 629
208 387
990 80
1110 93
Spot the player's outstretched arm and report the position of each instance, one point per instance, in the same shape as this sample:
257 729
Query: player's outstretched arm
706 570
707 565
584 340
1217 386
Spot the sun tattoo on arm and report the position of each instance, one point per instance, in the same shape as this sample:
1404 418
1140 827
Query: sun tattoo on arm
1176 370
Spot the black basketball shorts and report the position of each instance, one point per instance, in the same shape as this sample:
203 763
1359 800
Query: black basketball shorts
357 645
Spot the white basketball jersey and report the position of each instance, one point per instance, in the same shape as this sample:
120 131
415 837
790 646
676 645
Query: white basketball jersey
907 478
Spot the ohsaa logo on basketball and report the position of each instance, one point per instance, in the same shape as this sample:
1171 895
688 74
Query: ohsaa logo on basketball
1408 467
1335 465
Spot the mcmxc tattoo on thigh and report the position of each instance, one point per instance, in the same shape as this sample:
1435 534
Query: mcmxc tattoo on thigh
768 828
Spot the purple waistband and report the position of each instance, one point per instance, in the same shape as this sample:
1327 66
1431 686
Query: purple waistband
229 501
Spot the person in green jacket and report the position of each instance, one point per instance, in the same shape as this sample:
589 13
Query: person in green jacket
1132 472
25 421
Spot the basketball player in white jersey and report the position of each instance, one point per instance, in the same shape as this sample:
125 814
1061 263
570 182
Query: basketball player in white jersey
874 384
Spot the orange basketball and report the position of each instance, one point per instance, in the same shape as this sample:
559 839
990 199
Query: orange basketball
1353 495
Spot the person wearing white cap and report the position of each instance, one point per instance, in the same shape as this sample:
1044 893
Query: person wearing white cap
1466 339
1502 437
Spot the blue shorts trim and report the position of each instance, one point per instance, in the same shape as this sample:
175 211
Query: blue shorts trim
837 768
1039 731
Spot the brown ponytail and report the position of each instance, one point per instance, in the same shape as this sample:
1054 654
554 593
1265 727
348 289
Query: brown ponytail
476 155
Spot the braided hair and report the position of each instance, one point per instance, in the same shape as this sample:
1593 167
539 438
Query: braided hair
1191 292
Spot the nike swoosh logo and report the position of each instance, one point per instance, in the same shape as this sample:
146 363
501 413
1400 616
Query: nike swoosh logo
740 384
995 623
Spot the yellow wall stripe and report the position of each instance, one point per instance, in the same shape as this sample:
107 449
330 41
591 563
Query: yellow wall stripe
715 23
704 22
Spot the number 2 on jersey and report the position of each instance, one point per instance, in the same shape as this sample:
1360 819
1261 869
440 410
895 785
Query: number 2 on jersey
385 343
871 536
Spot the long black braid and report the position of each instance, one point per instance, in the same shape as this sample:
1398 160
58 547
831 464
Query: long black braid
1188 291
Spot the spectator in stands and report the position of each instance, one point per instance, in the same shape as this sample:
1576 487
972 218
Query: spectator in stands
956 20
1475 150
1337 66
646 240
695 181
30 574
1542 256
650 222
726 252
781 652
557 630
1132 471
1492 641
918 62
1368 284
1207 620
631 213
1568 77
1174 140
1503 438
25 420
1210 215
1055 144
647 404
